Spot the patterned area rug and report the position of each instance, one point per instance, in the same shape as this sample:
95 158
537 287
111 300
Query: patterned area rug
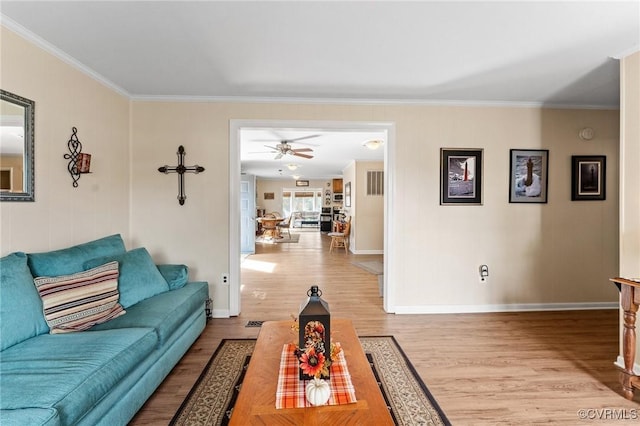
211 400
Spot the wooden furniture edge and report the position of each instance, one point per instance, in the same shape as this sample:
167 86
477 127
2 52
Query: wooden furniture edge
629 302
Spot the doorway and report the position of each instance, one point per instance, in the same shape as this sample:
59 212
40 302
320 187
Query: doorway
235 141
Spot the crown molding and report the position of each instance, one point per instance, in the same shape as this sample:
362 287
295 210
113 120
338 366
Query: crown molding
13 26
367 102
48 47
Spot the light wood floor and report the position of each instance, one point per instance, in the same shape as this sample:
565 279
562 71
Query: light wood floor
483 369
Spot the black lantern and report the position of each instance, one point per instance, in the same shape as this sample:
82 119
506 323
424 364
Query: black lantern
315 336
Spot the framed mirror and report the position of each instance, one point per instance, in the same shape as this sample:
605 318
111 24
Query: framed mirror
17 172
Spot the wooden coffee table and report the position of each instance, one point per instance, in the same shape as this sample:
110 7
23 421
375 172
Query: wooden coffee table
256 404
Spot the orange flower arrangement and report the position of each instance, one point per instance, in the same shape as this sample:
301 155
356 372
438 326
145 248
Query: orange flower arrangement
313 361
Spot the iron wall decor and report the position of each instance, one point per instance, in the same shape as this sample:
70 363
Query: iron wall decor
79 162
181 169
588 177
528 175
460 176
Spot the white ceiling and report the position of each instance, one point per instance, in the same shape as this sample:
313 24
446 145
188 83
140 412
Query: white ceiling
332 152
557 53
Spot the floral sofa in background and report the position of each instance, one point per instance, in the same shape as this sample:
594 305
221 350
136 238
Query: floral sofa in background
87 333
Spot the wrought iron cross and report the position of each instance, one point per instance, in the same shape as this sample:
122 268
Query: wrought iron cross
181 169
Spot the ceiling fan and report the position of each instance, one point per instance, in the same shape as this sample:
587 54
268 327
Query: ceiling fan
284 148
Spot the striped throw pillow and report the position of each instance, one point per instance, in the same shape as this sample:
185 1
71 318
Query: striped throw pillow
79 301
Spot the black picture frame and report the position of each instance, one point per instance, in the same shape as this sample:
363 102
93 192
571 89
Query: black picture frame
302 183
528 176
461 176
588 177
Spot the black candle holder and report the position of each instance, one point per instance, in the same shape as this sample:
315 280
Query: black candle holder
75 154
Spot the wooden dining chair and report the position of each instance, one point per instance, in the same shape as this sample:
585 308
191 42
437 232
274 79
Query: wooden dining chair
285 224
341 239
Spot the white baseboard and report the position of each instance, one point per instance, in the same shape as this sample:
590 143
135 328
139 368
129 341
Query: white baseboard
507 307
366 251
620 363
220 313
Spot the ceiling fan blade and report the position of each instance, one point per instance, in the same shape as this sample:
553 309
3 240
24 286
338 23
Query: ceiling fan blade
301 138
302 155
302 150
273 148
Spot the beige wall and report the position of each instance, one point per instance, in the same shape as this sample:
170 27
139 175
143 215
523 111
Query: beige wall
64 97
560 253
369 212
276 186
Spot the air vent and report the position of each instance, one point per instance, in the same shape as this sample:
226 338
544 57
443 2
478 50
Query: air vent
375 182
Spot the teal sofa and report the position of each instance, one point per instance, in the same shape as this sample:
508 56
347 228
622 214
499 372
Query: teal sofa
100 373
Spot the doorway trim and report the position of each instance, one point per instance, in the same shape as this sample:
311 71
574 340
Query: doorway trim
234 197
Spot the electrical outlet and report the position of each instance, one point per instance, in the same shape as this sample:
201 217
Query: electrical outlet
225 279
484 274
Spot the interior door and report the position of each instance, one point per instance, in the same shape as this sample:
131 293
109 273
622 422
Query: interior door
247 214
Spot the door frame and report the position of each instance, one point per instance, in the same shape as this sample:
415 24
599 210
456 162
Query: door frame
234 197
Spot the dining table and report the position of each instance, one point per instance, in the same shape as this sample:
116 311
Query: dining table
270 227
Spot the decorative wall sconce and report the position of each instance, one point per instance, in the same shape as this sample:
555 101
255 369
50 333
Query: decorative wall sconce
181 169
79 162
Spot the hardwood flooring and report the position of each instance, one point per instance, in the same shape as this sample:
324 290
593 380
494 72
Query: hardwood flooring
483 369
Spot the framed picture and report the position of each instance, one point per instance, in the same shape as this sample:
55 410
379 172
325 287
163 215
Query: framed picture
302 183
347 194
460 176
528 175
588 177
269 195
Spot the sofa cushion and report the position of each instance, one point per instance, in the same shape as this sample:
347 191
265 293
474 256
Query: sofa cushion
20 305
165 312
139 276
29 416
71 260
70 372
175 275
79 301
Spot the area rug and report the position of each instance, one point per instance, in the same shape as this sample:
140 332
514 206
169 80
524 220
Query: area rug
374 267
211 400
294 238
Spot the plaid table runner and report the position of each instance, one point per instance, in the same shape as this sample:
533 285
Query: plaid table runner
290 392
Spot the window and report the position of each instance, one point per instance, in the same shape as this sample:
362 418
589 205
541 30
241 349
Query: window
308 200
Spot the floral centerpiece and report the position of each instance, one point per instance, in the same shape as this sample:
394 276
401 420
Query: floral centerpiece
314 358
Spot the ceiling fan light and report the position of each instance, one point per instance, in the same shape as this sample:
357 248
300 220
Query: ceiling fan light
292 166
296 177
373 144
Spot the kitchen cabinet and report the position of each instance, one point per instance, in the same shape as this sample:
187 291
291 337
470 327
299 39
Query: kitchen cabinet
337 186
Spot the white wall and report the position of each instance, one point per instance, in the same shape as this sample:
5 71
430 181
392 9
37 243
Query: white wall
64 97
630 174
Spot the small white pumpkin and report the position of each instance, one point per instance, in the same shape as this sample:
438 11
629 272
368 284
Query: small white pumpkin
318 392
